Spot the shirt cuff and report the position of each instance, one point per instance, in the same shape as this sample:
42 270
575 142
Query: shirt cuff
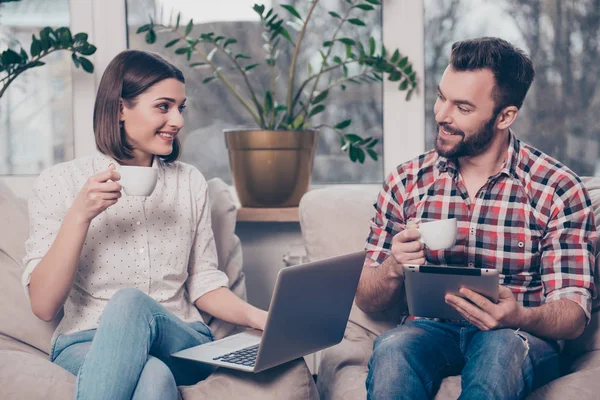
580 296
26 278
205 281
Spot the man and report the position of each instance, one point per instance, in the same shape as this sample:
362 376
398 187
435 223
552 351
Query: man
518 210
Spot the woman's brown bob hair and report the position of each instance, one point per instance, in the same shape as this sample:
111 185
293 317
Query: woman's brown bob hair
127 76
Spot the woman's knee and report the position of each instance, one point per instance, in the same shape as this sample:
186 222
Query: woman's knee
156 381
129 299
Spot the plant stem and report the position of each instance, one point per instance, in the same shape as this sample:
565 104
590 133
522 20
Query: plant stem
339 27
247 81
295 57
7 80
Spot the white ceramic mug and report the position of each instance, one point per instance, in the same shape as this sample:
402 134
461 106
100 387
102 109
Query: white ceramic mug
438 234
137 181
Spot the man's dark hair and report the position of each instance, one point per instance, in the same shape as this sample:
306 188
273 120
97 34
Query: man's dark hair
512 69
128 75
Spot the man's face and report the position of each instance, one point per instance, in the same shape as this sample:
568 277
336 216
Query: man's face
464 112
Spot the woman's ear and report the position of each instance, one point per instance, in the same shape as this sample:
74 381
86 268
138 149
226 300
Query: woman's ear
121 116
506 117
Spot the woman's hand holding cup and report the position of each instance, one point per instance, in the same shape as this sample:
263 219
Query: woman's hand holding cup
99 192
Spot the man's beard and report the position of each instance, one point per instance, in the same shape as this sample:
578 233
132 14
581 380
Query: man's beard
471 146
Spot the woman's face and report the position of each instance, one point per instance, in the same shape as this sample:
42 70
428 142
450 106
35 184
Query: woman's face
154 120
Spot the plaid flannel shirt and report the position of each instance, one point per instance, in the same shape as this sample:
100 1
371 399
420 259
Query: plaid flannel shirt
533 221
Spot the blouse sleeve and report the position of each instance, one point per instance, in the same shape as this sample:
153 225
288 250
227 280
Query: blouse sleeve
204 275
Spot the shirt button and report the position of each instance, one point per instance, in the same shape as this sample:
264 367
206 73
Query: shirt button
141 250
521 244
138 223
470 264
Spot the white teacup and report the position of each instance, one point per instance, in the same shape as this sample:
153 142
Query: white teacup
137 181
438 234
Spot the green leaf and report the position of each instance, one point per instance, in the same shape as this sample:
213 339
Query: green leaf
343 124
36 64
403 85
335 15
327 43
322 96
242 56
36 47
355 139
75 60
208 79
353 155
86 64
10 57
45 39
181 50
64 36
375 2
177 22
337 60
249 67
144 28
172 42
150 37
81 37
395 57
360 155
402 62
347 41
229 41
292 10
298 122
372 46
356 21
365 7
197 64
189 27
373 143
86 49
318 109
373 154
343 87
268 105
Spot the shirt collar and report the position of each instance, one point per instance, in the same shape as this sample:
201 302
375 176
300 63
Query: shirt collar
509 167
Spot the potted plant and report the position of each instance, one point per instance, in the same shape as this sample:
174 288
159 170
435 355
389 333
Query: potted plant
272 163
14 63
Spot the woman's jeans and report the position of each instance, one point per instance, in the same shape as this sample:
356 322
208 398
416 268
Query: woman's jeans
128 355
410 361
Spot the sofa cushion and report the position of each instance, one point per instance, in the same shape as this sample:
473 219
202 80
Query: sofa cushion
25 376
16 319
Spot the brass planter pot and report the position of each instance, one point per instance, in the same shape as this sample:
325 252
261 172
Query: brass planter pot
270 168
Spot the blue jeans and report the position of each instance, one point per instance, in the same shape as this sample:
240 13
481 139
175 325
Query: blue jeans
411 360
128 355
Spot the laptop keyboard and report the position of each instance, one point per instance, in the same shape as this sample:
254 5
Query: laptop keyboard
246 356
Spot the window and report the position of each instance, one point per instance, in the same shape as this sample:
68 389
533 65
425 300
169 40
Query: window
562 38
36 124
211 108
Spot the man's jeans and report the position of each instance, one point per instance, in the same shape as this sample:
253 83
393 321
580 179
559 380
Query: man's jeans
128 356
410 361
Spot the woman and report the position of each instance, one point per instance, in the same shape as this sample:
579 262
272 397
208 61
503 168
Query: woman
130 272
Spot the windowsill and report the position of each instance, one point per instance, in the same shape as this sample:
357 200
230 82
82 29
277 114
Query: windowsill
286 214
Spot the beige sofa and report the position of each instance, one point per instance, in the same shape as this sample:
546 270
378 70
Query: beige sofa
26 373
336 220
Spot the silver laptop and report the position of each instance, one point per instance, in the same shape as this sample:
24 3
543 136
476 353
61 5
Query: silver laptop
309 311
